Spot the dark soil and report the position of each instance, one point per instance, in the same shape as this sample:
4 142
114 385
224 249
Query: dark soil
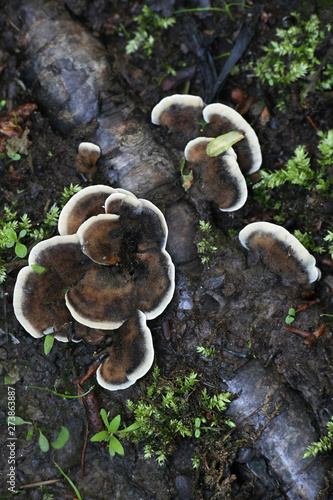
236 305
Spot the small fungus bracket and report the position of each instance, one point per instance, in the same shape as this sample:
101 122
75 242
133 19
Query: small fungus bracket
280 251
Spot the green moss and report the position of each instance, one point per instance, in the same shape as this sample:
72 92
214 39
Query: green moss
292 58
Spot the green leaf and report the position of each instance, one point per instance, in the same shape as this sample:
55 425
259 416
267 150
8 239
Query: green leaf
21 250
62 438
289 320
17 421
67 396
116 445
292 311
70 482
114 424
48 343
197 422
130 428
37 269
14 157
11 235
100 436
223 142
22 233
29 435
104 417
43 442
111 450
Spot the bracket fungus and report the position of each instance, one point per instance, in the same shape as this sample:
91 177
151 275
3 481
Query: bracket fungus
184 116
181 114
221 119
86 159
218 177
280 251
105 275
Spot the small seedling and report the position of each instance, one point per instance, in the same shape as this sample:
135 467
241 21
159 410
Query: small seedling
44 443
14 239
291 316
108 434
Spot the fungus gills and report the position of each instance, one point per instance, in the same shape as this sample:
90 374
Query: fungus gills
105 275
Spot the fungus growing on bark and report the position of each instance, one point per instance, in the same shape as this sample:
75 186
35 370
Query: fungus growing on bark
280 251
218 177
86 159
181 114
222 119
105 275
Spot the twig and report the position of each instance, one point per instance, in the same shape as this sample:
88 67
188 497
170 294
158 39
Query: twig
302 333
306 306
40 483
84 450
91 370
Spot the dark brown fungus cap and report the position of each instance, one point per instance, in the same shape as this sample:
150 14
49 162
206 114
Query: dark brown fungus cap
39 298
106 294
104 281
130 355
219 178
86 159
222 119
182 115
101 238
280 251
86 203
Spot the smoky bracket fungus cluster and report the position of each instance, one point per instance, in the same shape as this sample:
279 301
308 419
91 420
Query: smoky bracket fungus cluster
101 280
195 127
221 149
